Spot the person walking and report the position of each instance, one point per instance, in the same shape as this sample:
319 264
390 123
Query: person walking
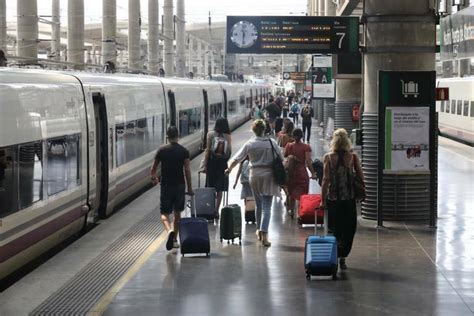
298 155
174 160
261 152
295 112
307 114
338 195
216 155
286 135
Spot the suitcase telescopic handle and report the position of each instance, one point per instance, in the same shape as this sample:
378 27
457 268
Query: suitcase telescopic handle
192 204
325 222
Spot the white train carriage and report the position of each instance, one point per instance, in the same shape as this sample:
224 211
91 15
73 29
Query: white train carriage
456 116
78 144
43 163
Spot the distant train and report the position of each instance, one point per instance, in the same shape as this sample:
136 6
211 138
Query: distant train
75 144
456 116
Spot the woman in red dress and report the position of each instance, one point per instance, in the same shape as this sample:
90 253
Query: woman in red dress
298 156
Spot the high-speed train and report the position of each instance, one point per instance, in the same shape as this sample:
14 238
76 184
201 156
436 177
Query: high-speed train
76 144
456 115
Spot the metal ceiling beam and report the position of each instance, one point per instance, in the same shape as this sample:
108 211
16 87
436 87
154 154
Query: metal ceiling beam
347 7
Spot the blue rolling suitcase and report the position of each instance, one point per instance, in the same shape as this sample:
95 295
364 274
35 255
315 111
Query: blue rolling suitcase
194 234
320 254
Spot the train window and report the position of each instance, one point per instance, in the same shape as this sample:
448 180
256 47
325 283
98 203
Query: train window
232 106
189 121
472 108
447 106
466 108
249 102
215 111
62 168
459 110
442 106
8 192
30 172
136 138
242 100
453 106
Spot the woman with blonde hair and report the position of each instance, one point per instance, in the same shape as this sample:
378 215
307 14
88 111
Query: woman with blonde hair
261 151
341 168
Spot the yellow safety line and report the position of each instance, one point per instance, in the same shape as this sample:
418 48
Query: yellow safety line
107 298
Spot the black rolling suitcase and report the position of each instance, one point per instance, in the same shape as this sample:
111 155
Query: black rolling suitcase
194 234
231 222
205 201
250 211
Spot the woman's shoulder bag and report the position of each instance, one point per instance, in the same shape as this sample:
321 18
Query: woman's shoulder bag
279 172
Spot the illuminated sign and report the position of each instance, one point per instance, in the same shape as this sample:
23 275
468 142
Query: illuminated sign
291 34
297 77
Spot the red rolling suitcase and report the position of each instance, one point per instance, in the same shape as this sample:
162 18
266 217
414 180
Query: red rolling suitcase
309 203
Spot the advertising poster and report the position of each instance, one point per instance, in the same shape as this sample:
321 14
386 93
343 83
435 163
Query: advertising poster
407 138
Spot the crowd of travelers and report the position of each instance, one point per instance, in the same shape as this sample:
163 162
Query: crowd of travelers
277 137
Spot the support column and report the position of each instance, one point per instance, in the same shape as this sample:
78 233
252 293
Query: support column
213 61
180 43
206 60
348 94
75 33
190 53
109 26
168 35
55 31
199 58
153 37
134 35
321 7
400 35
27 30
3 26
329 8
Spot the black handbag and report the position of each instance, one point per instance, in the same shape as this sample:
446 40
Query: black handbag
279 172
359 187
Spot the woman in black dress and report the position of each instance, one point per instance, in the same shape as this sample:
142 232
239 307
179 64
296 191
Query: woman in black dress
218 151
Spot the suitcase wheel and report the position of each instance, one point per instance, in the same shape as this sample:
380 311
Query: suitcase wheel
221 240
228 241
232 241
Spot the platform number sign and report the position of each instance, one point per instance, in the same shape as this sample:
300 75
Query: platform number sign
323 85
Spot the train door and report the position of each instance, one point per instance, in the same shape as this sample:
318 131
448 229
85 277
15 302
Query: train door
251 99
206 118
102 153
172 109
225 102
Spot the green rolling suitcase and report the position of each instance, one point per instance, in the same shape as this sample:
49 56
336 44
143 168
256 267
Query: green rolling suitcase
231 222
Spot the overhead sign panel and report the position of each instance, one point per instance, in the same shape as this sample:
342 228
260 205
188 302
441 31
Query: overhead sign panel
291 34
296 77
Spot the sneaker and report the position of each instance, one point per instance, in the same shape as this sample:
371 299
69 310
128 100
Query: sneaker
175 244
169 242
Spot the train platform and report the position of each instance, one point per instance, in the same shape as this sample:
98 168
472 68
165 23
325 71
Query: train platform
121 266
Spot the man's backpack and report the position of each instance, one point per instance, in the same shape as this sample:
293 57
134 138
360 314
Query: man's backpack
220 146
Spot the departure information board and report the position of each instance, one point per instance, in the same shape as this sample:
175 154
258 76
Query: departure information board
292 34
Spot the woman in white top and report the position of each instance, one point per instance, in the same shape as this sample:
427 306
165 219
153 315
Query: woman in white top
260 153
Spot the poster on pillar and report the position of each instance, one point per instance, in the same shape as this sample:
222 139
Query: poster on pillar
407 138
